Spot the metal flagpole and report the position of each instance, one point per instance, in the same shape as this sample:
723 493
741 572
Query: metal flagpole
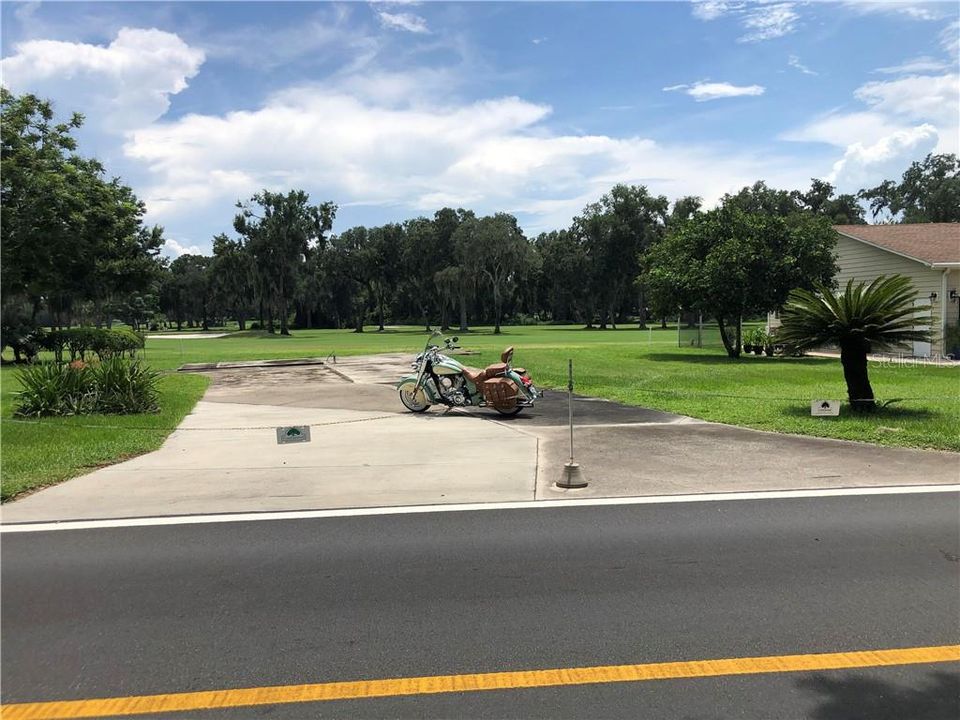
572 476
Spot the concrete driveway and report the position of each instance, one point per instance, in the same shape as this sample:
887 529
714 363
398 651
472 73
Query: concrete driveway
366 450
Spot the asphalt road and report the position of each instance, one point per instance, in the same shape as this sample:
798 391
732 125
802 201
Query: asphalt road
132 611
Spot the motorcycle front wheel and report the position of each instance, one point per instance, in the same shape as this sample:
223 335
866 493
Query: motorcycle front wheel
414 401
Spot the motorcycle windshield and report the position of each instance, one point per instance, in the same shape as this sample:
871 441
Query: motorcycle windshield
423 357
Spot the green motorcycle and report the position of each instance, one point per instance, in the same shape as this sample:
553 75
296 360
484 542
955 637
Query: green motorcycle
442 380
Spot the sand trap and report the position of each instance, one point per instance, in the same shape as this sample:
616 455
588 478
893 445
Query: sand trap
187 336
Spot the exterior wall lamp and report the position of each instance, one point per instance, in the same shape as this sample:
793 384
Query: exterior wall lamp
933 297
953 296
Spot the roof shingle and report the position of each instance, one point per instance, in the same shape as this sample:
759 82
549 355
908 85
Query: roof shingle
930 243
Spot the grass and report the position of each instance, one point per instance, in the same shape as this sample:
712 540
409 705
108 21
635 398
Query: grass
44 452
640 367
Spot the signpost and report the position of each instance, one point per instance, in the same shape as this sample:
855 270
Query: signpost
293 434
825 408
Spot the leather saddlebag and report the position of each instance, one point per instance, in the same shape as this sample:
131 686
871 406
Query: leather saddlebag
500 392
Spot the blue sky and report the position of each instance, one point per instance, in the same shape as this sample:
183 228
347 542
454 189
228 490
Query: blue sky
393 109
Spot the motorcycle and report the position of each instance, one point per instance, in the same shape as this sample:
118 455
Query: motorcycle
441 380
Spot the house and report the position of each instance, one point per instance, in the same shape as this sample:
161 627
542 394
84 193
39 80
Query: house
927 253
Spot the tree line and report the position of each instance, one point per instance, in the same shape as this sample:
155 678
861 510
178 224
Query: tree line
76 251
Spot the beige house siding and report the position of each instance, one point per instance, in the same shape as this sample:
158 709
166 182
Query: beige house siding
861 262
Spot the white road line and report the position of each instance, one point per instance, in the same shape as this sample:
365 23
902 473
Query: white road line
419 509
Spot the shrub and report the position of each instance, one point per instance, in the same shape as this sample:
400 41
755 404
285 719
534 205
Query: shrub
118 385
102 342
54 389
20 333
126 386
115 343
525 319
756 337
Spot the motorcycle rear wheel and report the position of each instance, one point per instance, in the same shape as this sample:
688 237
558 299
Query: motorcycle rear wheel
414 401
509 412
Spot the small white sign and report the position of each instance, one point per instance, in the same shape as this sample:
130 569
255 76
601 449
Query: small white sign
825 408
293 434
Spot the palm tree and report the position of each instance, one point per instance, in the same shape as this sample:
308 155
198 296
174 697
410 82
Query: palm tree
862 319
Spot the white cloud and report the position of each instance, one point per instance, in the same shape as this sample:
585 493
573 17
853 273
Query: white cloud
924 64
399 88
913 10
26 10
893 106
172 248
861 165
325 35
761 21
125 85
404 21
766 22
495 154
712 9
769 19
905 118
923 98
539 40
950 40
703 91
843 129
794 62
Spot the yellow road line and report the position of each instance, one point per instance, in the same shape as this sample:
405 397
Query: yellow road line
356 689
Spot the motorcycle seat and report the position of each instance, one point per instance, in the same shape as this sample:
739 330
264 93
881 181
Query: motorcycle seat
474 375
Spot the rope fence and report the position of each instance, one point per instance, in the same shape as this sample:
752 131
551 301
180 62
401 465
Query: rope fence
58 421
168 428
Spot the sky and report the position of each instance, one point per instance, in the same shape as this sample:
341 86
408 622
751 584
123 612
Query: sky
395 109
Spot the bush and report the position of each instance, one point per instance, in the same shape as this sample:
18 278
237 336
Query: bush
525 319
53 389
102 342
20 333
126 386
118 386
115 343
757 337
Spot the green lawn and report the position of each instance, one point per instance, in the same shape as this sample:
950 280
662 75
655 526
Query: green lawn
634 366
38 453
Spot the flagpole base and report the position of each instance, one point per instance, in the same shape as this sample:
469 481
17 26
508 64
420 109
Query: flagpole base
572 477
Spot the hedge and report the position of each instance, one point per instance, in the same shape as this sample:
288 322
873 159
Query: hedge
78 342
